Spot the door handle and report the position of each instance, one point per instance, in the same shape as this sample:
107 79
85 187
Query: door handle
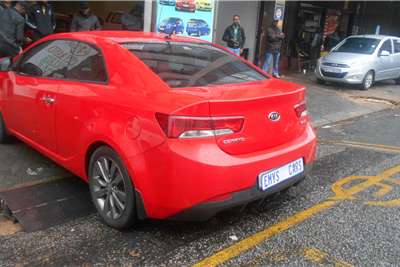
48 100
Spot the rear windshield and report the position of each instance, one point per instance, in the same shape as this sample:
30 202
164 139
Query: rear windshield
358 45
190 64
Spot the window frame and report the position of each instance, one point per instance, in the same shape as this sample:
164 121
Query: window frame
99 49
383 43
395 40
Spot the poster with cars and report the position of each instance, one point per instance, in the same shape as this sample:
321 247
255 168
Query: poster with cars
192 18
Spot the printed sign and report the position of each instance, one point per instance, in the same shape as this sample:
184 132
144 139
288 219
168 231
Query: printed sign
192 18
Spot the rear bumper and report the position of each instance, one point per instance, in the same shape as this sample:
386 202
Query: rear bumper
181 174
205 211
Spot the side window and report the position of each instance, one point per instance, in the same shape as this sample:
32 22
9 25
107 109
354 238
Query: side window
86 64
387 45
396 43
48 60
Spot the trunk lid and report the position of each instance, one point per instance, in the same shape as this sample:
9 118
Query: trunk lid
259 103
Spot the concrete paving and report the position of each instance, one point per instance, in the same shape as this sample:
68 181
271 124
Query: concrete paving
293 228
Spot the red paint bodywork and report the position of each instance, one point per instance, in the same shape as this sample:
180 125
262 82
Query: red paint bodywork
171 174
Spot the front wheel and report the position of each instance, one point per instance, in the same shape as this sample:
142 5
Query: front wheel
368 80
111 188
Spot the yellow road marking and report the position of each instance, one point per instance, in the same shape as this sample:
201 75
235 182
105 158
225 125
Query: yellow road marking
249 242
341 193
318 256
392 149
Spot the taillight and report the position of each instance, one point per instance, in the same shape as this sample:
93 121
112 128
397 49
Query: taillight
301 110
195 127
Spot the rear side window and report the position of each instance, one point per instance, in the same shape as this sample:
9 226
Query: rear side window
49 59
396 43
182 64
386 46
86 64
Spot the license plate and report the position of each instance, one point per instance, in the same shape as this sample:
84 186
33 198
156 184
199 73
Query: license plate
273 177
332 69
185 5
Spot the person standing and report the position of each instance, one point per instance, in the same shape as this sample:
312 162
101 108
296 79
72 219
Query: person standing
41 20
274 42
5 5
133 20
12 36
234 36
85 20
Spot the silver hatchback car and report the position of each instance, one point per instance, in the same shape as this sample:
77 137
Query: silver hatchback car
361 59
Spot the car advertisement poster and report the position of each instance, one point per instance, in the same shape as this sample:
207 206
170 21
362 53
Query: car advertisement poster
192 18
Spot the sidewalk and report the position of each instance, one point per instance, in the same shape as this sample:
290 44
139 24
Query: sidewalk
330 103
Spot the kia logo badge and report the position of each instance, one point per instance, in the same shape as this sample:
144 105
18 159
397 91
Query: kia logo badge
274 116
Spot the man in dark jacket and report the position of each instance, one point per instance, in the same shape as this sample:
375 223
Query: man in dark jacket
41 20
12 35
274 42
234 36
84 20
5 5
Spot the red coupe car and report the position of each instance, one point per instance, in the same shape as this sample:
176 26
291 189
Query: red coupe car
160 127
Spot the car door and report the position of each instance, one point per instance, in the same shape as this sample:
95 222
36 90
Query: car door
396 55
385 64
38 75
86 75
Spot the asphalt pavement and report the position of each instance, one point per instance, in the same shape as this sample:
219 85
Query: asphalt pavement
345 213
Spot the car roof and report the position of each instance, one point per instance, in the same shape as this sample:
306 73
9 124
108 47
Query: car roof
121 37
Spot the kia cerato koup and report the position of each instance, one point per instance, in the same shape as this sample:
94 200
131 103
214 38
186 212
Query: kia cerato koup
361 60
160 127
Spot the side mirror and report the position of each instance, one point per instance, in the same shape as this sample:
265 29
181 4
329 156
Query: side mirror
5 64
384 53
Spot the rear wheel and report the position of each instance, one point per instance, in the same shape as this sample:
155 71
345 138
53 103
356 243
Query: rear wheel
368 80
4 136
111 188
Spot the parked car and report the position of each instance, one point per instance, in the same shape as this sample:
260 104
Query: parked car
159 127
185 5
198 27
204 5
363 60
167 2
170 25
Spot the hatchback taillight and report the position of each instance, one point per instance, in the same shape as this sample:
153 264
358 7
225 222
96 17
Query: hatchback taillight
195 127
301 109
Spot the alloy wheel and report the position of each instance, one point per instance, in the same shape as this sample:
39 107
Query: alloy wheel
368 80
109 189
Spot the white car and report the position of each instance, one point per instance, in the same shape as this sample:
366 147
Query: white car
361 59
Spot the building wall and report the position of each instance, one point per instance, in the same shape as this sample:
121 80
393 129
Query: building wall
383 13
248 12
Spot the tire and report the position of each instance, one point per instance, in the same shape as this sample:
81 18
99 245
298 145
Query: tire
397 81
320 81
4 136
368 80
111 189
